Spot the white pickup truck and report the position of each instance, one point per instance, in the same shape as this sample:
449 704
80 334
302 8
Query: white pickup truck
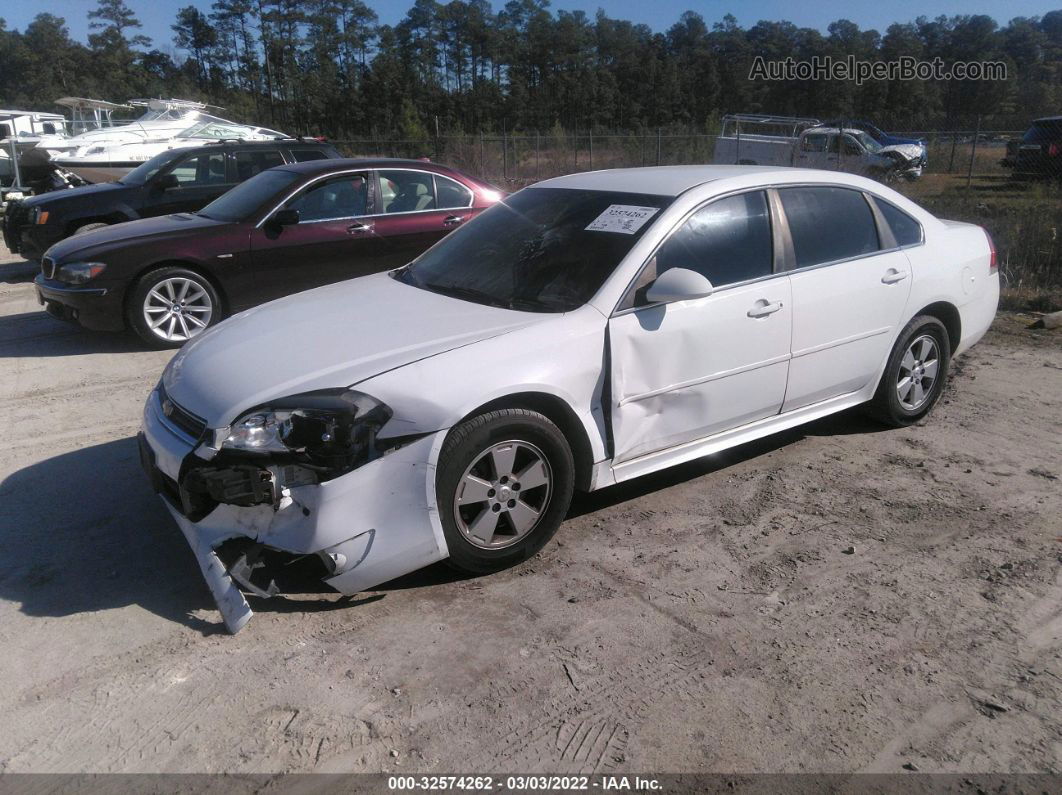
755 140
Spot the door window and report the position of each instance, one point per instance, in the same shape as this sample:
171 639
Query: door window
828 224
338 197
254 161
727 241
906 230
406 191
452 194
814 143
207 168
300 155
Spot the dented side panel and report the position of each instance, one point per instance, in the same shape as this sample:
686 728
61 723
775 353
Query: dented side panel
690 369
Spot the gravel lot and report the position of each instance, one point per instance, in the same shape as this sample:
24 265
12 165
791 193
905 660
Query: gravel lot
836 598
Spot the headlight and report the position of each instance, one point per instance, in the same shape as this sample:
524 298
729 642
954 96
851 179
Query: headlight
333 429
80 272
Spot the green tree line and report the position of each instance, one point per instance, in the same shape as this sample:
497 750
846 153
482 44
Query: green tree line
328 67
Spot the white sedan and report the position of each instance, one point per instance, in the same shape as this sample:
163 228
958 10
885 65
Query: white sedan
585 331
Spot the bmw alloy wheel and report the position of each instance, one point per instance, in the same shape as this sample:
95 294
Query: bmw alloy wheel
177 309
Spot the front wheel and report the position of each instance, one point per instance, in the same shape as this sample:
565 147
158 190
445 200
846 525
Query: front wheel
504 484
915 374
169 306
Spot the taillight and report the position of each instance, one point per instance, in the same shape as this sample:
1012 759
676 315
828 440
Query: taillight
993 262
1053 150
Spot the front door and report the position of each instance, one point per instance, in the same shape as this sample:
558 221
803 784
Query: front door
201 178
686 370
848 294
333 240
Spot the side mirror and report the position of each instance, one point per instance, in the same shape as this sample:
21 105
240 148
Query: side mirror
678 284
285 217
166 182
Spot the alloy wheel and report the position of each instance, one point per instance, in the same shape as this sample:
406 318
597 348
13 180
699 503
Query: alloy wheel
919 368
177 309
503 494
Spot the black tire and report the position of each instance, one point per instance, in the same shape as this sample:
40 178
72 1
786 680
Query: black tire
89 227
886 405
134 308
464 446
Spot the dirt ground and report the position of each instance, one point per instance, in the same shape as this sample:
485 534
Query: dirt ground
836 598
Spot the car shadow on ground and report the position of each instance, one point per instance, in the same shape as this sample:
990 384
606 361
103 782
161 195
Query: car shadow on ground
82 532
38 334
19 272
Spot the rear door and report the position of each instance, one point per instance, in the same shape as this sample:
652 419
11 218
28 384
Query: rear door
201 178
813 151
414 210
333 240
850 289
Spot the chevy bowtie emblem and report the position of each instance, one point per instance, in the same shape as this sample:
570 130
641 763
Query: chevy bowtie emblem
167 407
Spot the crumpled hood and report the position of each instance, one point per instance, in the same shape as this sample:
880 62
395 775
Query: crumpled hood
333 336
910 151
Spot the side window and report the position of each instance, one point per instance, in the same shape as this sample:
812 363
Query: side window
828 224
202 169
406 191
451 193
813 143
906 230
254 161
338 197
5 130
299 155
728 241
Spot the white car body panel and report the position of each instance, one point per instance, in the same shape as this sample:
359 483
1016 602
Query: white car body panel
648 388
669 388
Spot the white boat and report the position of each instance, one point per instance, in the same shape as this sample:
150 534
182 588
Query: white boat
106 154
21 130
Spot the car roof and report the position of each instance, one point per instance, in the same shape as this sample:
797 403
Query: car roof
671 180
1047 118
334 164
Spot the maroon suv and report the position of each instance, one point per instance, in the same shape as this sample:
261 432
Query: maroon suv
287 229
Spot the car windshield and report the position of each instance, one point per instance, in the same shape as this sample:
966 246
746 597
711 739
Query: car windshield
245 198
869 143
539 250
147 169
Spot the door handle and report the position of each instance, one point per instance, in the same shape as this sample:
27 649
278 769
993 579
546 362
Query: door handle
892 276
359 229
764 308
453 220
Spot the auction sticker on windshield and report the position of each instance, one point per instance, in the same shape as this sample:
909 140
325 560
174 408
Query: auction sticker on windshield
623 218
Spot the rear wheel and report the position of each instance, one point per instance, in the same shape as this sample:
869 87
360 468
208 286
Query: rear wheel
915 374
504 485
169 306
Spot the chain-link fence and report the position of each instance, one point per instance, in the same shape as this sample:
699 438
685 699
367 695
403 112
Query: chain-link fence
985 177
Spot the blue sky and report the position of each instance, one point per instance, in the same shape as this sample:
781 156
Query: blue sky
157 15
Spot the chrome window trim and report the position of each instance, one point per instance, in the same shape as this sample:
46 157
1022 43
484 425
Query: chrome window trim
783 223
314 182
433 175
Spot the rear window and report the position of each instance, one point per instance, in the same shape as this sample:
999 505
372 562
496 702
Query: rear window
829 224
1044 131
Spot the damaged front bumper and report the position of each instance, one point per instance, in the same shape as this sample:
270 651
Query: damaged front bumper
366 527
